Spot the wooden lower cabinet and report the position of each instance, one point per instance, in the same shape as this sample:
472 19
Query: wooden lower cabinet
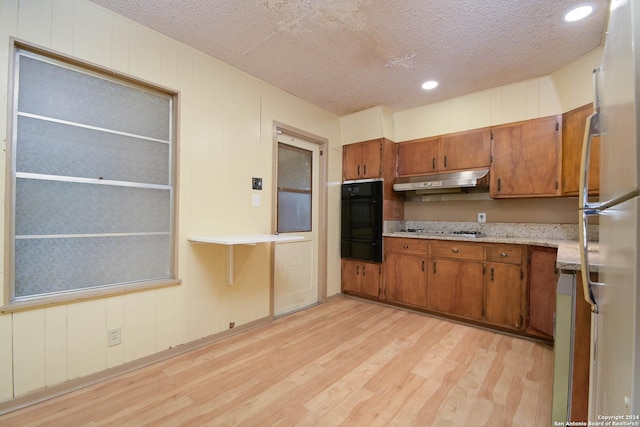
405 279
455 287
503 293
543 279
485 283
361 277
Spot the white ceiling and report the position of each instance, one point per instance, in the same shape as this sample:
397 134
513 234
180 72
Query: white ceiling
350 55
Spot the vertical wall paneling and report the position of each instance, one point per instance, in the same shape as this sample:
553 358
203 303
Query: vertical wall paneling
164 314
55 344
549 98
87 337
145 53
479 114
115 319
120 45
28 351
139 325
62 25
6 358
514 102
34 21
532 99
92 33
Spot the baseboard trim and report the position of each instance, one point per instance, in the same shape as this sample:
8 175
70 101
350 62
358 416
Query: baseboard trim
89 380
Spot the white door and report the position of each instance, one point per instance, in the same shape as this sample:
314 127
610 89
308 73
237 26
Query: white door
297 212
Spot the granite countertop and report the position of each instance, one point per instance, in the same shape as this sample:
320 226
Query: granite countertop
560 236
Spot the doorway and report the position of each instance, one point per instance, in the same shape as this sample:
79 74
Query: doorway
300 201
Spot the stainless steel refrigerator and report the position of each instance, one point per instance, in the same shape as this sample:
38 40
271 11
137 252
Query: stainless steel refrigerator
615 296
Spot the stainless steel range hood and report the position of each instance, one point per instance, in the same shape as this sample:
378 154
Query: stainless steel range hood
442 182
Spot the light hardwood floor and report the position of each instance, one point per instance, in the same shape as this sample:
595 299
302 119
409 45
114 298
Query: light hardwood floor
347 362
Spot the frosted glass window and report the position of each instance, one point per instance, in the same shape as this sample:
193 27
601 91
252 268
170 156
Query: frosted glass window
92 180
294 189
294 212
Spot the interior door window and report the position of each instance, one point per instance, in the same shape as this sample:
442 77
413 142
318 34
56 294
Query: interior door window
294 189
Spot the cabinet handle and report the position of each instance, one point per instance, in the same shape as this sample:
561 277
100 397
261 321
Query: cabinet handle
363 270
433 162
405 246
504 255
422 265
455 250
434 267
445 161
492 276
357 270
499 183
365 170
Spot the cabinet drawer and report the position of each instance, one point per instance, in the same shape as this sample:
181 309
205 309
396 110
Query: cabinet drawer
457 250
508 254
412 246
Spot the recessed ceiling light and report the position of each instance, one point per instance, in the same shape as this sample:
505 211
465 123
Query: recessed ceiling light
431 84
578 13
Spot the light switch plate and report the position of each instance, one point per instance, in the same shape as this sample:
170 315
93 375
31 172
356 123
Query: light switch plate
256 183
256 200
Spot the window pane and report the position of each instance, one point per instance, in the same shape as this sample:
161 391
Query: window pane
90 100
294 212
57 149
45 266
294 168
51 207
69 235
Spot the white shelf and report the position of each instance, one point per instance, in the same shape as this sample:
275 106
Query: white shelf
242 239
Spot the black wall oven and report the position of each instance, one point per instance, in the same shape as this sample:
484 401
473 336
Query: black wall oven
362 220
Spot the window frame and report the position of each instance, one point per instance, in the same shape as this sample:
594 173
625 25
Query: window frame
8 290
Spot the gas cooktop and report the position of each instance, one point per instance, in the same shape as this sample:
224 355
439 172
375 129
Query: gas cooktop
458 233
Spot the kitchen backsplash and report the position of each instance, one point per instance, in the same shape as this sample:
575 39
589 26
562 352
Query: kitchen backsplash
498 229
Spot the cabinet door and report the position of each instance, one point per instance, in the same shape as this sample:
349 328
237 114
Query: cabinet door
370 279
351 161
466 150
372 159
526 159
418 157
455 287
573 130
405 279
504 295
361 277
542 290
350 276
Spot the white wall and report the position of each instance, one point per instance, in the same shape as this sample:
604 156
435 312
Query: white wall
563 90
368 124
225 137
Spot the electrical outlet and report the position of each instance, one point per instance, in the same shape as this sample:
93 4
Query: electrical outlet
114 337
482 217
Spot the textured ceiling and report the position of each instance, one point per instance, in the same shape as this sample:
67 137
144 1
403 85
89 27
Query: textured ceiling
350 55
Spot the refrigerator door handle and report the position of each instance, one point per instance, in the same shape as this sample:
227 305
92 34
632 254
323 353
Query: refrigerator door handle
587 209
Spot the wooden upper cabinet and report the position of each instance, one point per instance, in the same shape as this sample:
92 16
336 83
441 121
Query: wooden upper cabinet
573 130
526 159
418 157
466 150
456 151
362 160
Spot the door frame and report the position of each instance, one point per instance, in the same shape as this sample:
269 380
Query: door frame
322 209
